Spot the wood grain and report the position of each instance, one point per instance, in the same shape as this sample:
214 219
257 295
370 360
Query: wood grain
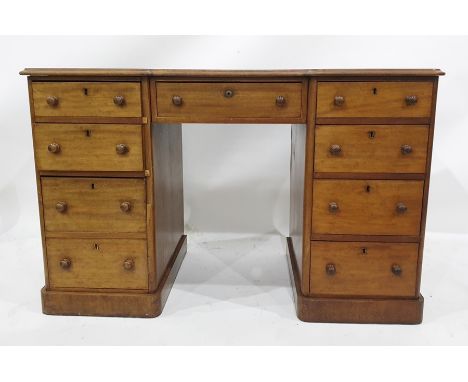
371 149
87 99
374 99
363 269
89 147
94 208
367 213
97 263
206 102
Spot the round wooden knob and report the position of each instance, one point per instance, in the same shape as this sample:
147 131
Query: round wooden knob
411 100
396 270
401 208
406 149
177 100
330 269
61 207
228 93
128 264
339 101
65 263
121 149
52 101
280 101
335 149
53 148
119 100
125 206
333 207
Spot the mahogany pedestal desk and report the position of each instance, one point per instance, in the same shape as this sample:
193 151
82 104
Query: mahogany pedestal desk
108 154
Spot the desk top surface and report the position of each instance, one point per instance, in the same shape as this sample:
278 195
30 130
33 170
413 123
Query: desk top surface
46 72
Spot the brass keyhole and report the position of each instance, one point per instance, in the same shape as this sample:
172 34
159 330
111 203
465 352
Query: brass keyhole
96 246
85 91
363 251
371 134
88 132
93 186
374 90
368 188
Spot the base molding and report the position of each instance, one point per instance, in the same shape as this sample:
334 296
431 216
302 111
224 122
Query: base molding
116 304
351 310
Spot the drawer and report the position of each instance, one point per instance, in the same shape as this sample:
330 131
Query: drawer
374 99
86 99
74 147
363 269
97 263
371 149
367 207
94 204
205 102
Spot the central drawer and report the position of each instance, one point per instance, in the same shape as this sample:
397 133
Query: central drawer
221 101
97 263
86 147
367 207
363 269
94 204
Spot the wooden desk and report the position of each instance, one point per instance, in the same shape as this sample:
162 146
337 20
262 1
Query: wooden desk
108 152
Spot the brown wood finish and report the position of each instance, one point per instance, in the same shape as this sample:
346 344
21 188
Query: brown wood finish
363 269
374 99
367 207
88 147
229 101
371 149
94 204
87 99
97 263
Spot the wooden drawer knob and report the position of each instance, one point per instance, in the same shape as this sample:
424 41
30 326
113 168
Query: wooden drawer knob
339 101
61 207
119 100
280 101
330 269
396 270
53 148
406 149
177 100
411 100
121 149
401 208
128 264
52 101
125 206
335 149
65 263
333 207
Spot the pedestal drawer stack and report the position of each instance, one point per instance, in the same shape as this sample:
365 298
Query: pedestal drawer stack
369 191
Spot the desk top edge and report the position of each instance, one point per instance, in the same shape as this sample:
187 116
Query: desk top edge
51 72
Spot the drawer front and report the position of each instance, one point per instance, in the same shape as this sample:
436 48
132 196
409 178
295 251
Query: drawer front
221 101
94 204
371 149
97 263
363 269
86 99
374 99
88 147
367 207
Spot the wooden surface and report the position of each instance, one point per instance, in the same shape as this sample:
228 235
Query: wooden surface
206 102
97 263
73 72
363 269
116 304
374 99
94 209
351 309
88 147
168 192
367 213
371 149
87 99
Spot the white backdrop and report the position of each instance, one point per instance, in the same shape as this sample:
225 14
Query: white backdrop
236 177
